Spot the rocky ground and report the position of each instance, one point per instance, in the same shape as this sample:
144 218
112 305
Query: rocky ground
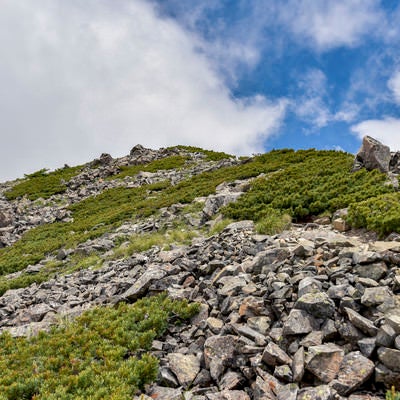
306 314
310 313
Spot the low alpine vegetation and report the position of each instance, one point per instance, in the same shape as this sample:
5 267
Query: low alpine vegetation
43 184
103 354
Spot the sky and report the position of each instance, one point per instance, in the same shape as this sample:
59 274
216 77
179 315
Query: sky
82 77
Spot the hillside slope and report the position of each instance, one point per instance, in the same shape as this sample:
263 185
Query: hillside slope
285 304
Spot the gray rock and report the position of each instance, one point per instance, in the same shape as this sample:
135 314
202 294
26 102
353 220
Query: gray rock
385 336
228 395
165 393
386 376
324 361
185 367
360 322
273 355
372 155
220 352
298 365
152 274
322 392
373 271
317 304
390 358
299 322
354 370
367 346
375 296
393 319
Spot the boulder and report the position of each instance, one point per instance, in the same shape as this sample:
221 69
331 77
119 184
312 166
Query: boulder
372 155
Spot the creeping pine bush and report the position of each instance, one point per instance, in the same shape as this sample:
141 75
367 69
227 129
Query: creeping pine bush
380 214
313 183
43 184
101 355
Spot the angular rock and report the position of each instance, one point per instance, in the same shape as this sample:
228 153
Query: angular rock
220 352
385 336
390 358
273 355
322 392
367 346
299 322
165 393
354 370
324 361
298 365
360 322
317 304
375 296
231 380
228 395
185 367
152 274
386 376
372 155
393 319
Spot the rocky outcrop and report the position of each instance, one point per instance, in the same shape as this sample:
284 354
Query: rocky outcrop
373 155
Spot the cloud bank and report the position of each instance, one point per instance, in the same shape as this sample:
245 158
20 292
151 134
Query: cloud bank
81 78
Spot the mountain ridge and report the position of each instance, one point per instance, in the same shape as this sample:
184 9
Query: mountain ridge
178 220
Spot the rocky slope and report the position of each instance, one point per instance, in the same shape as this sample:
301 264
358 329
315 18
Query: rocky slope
309 313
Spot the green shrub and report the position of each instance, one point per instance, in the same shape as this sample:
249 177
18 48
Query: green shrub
309 183
392 394
43 184
380 214
100 355
210 155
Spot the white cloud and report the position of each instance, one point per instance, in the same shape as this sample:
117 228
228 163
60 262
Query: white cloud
331 23
310 106
386 131
80 78
394 85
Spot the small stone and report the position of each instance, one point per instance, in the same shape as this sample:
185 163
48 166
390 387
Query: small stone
322 392
397 342
341 225
214 324
165 393
394 321
231 380
228 395
373 271
386 376
283 372
298 365
360 322
220 352
185 367
273 355
385 336
299 322
367 346
312 339
390 358
376 296
260 324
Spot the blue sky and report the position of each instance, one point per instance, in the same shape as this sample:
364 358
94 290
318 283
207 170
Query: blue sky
80 78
